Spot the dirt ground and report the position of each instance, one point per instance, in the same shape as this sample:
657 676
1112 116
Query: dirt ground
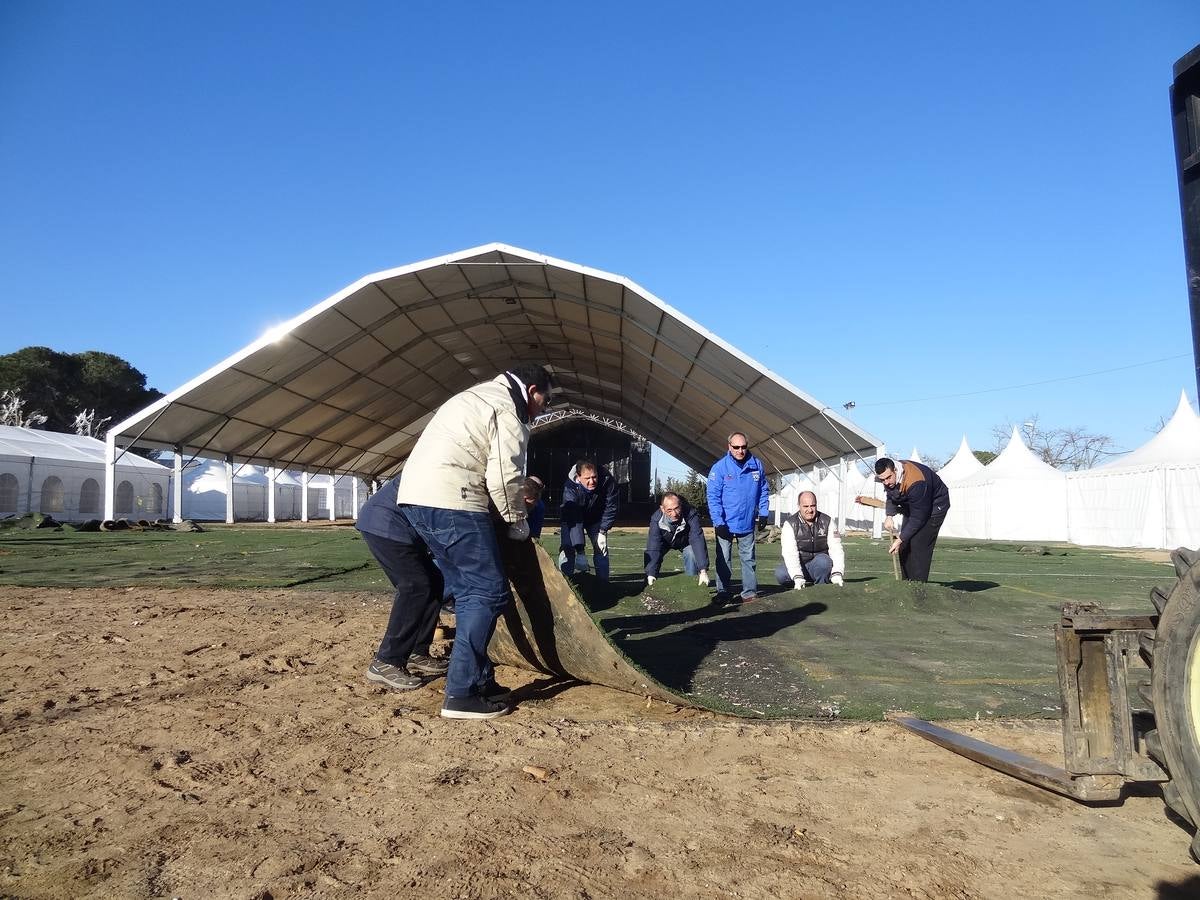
182 743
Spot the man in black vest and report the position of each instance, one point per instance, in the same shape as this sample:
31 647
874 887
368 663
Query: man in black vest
914 490
812 550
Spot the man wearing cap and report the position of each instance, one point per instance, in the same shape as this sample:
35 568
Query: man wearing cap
737 496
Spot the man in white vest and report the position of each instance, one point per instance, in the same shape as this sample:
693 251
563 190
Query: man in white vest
812 549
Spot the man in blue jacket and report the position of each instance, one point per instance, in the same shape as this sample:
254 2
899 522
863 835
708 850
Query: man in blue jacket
589 507
919 494
676 526
737 496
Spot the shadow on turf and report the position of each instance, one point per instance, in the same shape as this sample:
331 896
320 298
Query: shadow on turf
967 586
603 595
672 657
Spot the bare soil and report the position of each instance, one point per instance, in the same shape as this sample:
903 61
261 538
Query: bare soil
183 743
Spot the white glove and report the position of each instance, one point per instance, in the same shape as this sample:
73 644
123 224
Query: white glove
650 579
602 541
799 584
519 531
836 578
703 580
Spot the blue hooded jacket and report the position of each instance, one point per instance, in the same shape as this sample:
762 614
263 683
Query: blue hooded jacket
737 494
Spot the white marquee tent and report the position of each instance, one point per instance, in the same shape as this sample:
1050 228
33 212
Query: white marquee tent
349 385
1148 498
205 491
962 466
1016 497
63 475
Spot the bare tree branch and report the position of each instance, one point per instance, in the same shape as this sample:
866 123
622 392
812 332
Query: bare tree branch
1071 449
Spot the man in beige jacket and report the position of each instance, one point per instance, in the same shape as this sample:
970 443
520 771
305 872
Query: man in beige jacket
465 475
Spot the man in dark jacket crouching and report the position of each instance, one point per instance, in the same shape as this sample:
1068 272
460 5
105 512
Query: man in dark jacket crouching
676 526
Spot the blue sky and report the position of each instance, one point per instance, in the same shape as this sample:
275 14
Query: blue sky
885 203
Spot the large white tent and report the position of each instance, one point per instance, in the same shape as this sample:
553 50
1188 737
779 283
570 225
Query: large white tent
1148 498
348 386
1016 497
63 475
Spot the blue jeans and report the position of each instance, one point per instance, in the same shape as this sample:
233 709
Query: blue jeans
570 548
468 553
816 571
745 544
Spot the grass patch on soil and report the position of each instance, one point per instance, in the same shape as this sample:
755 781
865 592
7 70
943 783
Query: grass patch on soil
978 640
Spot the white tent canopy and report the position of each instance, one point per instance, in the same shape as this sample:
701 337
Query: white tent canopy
962 466
1015 497
348 385
1148 498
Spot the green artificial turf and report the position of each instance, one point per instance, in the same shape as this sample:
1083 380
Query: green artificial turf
978 640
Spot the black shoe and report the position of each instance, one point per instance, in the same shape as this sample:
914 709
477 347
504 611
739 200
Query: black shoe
395 677
495 691
422 664
473 707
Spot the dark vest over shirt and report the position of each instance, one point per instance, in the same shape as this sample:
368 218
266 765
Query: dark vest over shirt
812 539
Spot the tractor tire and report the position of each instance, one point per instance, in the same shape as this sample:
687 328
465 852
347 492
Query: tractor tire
1174 658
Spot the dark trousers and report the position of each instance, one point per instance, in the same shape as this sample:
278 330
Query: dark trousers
466 547
916 554
418 585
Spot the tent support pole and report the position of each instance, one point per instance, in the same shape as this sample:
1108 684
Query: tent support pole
228 489
177 486
110 476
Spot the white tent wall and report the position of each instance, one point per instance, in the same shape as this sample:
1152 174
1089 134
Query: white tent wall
204 493
1148 498
63 476
1118 509
859 517
784 502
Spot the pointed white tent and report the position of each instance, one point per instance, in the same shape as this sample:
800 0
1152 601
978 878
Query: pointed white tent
1016 497
962 466
915 456
1148 498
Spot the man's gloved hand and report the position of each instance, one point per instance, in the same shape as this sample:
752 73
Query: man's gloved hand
799 584
602 541
519 531
703 581
763 522
836 578
650 579
724 533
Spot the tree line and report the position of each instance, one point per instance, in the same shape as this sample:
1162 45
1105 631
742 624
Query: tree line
78 392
